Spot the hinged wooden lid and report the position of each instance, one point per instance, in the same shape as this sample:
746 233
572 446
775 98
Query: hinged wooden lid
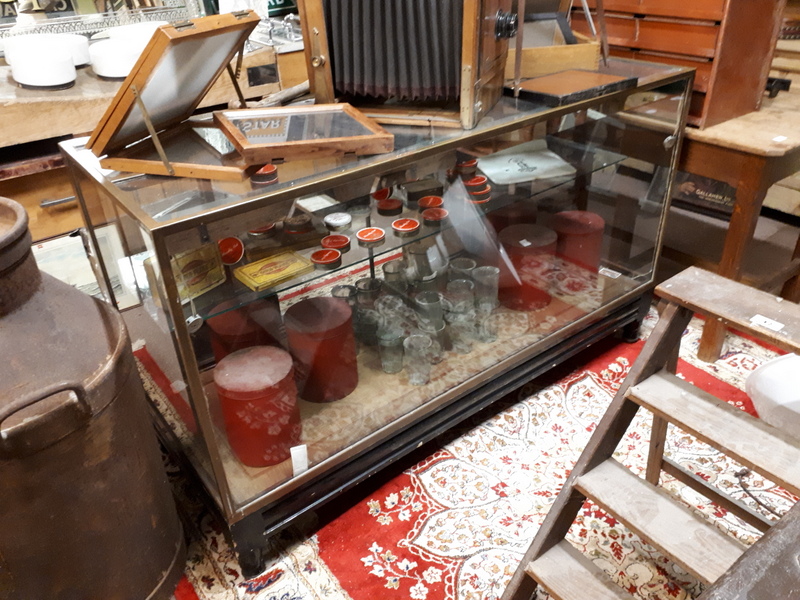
173 74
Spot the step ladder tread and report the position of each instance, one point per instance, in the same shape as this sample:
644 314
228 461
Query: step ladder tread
745 438
674 529
567 574
737 305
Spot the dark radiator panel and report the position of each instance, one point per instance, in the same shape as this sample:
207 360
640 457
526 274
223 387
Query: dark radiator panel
402 49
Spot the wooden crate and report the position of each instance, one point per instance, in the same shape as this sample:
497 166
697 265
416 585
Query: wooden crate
544 60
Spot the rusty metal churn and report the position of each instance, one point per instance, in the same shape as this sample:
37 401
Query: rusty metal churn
86 512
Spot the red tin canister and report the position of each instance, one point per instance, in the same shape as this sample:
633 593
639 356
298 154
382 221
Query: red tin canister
232 329
320 334
530 249
258 397
580 237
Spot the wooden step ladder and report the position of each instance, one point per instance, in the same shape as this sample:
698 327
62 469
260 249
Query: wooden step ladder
646 509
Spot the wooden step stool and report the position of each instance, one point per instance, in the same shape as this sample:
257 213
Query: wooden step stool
678 532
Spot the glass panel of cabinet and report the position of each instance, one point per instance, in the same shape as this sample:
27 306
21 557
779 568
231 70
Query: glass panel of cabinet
296 319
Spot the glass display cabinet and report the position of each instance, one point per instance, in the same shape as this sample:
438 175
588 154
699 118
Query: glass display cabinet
314 322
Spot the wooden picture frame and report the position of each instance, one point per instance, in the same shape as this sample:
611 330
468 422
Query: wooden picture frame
173 74
262 135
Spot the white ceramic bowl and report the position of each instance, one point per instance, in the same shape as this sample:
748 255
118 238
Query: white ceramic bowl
43 70
115 58
55 44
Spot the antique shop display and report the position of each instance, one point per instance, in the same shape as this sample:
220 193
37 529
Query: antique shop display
77 448
381 299
425 62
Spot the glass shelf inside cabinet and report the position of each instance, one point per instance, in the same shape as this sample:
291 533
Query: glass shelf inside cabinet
463 215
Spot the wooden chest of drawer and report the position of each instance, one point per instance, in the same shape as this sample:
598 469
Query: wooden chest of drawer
729 42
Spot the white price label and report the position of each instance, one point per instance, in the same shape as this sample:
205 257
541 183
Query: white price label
299 459
766 322
610 273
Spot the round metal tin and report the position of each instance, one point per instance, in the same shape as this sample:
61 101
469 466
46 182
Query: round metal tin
338 221
434 216
405 227
231 250
336 242
266 175
327 258
390 207
430 202
260 233
370 237
297 224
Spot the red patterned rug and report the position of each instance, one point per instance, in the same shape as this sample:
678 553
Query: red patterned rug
455 525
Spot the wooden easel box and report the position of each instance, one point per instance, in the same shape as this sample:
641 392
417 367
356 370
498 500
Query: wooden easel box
174 73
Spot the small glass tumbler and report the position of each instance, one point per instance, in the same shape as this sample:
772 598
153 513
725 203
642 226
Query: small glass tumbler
390 347
348 293
394 271
486 329
439 341
368 289
418 358
430 308
461 268
461 327
461 294
366 323
486 283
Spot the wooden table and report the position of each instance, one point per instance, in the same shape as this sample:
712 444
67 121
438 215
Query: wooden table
750 153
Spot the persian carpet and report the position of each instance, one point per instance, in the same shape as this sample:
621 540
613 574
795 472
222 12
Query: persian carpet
455 525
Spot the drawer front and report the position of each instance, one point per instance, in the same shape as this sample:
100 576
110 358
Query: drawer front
695 38
702 77
621 28
712 10
667 35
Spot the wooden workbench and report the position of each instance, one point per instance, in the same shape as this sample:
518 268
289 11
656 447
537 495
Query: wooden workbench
750 153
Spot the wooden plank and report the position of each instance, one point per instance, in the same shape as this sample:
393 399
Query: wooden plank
567 575
769 570
735 305
685 537
552 59
743 437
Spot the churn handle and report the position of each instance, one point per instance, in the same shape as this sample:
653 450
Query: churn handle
37 396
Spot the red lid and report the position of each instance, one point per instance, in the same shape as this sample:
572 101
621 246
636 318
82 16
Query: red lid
486 190
267 170
335 241
434 215
577 222
479 181
382 194
265 231
370 234
390 206
231 249
405 225
328 256
430 202
473 162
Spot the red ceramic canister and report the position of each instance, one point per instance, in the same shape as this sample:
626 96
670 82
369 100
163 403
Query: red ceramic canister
235 328
258 397
580 237
524 283
320 335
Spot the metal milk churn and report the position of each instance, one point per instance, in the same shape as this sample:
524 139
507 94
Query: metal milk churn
86 512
